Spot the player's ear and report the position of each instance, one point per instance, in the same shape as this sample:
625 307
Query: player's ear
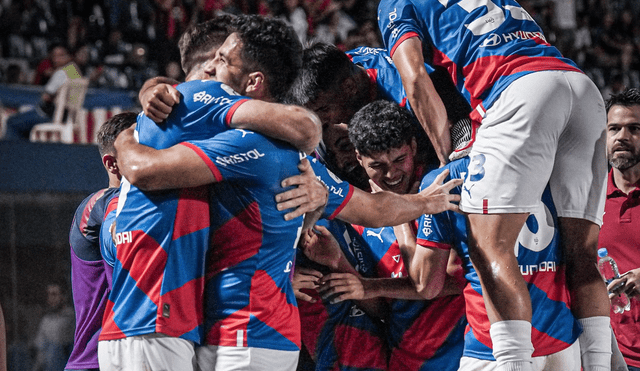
111 164
256 84
359 158
349 86
414 147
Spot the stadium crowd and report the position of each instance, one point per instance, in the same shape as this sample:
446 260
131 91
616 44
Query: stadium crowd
447 216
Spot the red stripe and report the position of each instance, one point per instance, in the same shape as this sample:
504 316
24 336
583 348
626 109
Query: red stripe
214 169
359 349
110 330
313 317
402 38
224 332
192 212
433 244
232 110
185 306
344 203
113 204
485 206
82 225
145 260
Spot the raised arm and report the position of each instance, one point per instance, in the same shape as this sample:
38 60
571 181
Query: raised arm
422 95
292 124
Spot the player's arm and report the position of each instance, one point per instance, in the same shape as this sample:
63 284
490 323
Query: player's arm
349 286
292 124
422 95
158 96
427 266
151 169
382 209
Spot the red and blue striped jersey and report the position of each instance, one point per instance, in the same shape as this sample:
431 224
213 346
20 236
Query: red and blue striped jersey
90 276
485 44
422 334
539 255
249 300
341 336
162 237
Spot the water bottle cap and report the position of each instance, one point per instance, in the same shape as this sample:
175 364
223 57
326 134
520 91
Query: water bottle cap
602 252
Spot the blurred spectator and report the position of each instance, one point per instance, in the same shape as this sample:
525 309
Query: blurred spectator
292 12
14 74
54 338
20 124
82 58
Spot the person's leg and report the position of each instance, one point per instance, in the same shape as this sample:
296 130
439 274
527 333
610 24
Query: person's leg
19 125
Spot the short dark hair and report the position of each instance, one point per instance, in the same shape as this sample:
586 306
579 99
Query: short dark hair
380 126
109 131
198 40
324 68
271 46
629 97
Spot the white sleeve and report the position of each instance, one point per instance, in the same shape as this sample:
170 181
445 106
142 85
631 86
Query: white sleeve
55 82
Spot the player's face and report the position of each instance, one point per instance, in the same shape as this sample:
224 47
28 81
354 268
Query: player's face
623 136
227 67
341 156
392 170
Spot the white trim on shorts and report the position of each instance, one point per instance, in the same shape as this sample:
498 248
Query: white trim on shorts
547 127
151 352
225 358
566 360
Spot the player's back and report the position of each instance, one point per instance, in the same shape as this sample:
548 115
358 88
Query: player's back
484 45
540 259
89 277
162 237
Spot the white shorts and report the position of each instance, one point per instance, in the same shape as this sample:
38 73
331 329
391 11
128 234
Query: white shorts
223 358
546 128
153 352
565 360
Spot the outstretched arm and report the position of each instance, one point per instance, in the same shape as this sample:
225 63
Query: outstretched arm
423 97
387 208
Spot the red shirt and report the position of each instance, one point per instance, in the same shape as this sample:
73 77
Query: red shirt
620 234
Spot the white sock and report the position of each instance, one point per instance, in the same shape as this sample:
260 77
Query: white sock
512 345
595 343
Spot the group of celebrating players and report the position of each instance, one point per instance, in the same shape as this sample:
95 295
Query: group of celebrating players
221 245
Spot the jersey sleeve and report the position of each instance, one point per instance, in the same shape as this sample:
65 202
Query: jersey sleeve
107 245
434 230
245 155
398 21
340 192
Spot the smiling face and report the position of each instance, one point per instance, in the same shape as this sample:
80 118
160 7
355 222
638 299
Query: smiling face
393 170
623 136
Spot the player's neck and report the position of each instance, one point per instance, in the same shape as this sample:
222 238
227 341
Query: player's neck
627 180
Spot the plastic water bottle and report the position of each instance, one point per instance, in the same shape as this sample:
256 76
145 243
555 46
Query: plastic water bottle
609 271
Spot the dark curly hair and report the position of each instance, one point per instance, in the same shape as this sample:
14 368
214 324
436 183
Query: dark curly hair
629 97
324 68
109 131
198 40
380 126
271 46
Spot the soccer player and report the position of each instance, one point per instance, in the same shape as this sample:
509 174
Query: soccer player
156 301
542 122
539 257
90 276
366 74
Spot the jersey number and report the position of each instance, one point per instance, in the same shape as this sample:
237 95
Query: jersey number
493 19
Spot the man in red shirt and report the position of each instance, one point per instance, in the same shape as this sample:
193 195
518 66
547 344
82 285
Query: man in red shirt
620 232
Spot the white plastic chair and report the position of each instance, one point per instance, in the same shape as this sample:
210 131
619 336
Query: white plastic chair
70 98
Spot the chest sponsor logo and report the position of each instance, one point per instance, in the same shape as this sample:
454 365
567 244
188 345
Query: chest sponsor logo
237 158
497 39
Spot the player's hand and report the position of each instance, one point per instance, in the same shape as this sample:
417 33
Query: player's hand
437 197
319 245
629 283
310 195
305 278
158 101
339 287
